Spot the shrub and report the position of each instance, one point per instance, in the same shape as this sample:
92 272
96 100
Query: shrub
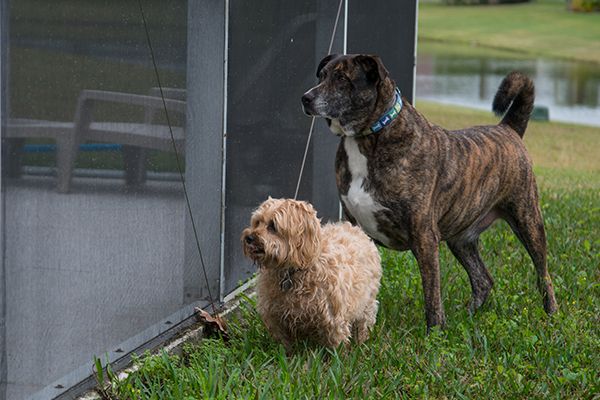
584 5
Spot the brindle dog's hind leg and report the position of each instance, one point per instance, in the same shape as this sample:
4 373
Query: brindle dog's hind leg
467 253
526 221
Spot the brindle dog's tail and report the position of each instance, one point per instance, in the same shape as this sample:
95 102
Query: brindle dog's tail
515 94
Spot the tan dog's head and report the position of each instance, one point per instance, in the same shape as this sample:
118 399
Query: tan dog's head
283 232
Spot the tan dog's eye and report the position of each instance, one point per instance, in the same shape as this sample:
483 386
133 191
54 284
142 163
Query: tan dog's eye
271 227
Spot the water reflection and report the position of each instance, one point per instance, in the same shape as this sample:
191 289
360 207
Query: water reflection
570 90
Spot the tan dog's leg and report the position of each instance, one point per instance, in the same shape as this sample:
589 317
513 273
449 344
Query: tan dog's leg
527 223
467 253
426 250
362 327
336 332
360 331
278 333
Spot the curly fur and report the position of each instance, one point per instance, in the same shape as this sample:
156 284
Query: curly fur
316 283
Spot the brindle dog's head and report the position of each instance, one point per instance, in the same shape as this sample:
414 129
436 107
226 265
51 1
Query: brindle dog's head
353 91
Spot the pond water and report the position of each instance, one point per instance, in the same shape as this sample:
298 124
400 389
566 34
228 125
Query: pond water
570 90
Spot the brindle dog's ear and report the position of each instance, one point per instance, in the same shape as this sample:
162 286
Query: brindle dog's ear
373 67
324 62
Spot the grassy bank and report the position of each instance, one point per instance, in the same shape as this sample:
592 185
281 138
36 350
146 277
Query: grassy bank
509 349
539 28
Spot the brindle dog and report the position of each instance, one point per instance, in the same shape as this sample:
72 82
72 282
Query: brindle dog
413 184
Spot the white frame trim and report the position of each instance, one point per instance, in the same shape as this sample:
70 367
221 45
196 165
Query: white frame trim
224 156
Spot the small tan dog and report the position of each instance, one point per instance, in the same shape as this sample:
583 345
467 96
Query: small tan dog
318 283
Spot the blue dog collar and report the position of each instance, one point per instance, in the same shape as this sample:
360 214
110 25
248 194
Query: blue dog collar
389 115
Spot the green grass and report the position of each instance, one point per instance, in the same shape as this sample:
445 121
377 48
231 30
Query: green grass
509 349
539 28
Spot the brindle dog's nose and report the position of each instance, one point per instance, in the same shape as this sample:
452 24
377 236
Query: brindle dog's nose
306 100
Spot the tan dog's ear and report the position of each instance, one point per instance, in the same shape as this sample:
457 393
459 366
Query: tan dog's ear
304 232
373 67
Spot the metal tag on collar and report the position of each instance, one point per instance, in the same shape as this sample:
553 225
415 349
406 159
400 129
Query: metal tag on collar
286 283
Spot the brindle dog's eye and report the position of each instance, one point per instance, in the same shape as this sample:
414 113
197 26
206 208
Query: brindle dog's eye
271 227
342 78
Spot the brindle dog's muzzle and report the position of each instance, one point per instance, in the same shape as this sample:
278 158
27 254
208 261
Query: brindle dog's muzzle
307 103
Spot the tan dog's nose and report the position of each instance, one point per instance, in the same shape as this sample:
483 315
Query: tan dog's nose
250 239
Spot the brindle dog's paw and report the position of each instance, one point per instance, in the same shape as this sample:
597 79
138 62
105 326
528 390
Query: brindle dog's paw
476 302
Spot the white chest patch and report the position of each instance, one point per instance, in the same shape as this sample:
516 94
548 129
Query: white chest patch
335 127
358 201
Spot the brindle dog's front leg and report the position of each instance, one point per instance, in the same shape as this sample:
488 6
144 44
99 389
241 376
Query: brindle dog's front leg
426 250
